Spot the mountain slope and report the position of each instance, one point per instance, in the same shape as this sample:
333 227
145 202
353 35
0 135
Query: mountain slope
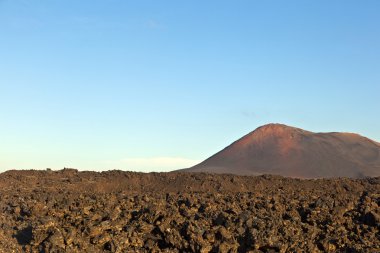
293 152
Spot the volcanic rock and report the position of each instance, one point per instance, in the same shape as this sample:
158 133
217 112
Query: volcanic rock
114 212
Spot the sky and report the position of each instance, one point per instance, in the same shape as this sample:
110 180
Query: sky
162 85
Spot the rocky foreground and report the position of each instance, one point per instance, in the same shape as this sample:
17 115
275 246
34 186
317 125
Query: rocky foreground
71 211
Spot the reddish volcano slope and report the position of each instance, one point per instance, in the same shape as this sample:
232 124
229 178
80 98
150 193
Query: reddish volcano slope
293 152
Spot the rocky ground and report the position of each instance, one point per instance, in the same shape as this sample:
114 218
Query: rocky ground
71 211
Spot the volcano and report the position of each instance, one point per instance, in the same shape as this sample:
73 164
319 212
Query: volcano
292 152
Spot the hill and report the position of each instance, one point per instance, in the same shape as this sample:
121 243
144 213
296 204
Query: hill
292 152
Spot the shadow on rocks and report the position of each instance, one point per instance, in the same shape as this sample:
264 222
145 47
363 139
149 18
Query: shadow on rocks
24 236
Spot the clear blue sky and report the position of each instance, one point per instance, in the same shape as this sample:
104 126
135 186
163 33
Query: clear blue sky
159 85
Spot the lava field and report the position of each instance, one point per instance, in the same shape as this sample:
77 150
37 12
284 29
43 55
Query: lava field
116 211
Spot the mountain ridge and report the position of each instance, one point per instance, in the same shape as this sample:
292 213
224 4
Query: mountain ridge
293 152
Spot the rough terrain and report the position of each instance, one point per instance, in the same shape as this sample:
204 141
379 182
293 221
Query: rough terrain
71 211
